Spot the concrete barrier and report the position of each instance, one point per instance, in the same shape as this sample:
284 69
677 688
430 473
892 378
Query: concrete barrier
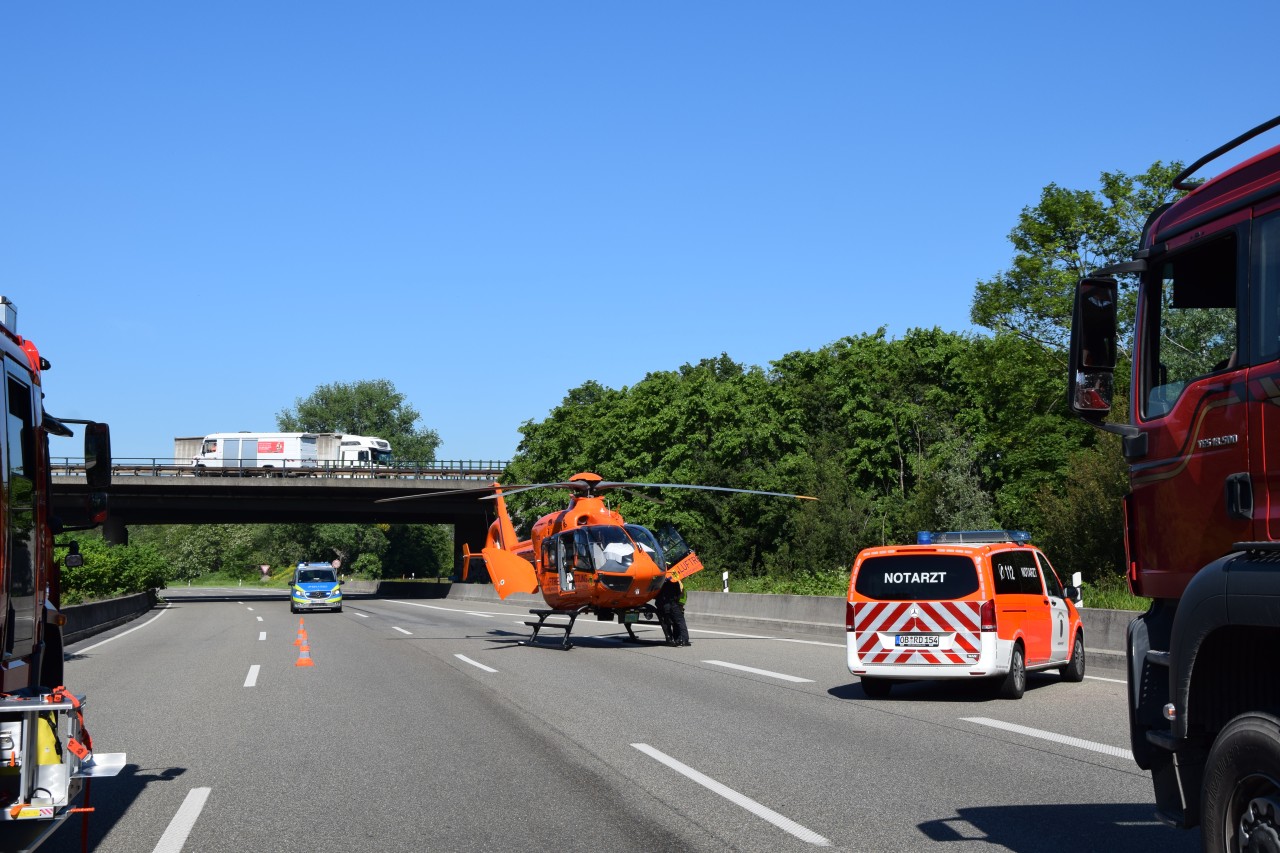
85 620
819 616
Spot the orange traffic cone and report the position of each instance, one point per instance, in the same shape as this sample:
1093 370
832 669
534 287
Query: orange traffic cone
302 637
304 656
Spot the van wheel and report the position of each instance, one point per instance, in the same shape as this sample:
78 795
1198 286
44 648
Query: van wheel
1015 682
876 688
1074 670
1241 790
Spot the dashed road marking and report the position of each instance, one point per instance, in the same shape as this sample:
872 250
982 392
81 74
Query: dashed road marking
1105 749
402 631
476 664
779 675
180 827
251 679
784 823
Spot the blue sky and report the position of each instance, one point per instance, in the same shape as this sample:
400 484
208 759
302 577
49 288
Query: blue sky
208 210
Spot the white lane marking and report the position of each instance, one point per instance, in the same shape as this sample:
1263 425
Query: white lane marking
691 630
259 618
752 669
1105 749
810 642
183 822
476 664
251 680
449 609
363 615
122 633
402 631
250 609
262 635
1112 680
784 823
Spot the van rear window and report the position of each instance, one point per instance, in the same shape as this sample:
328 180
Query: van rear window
917 577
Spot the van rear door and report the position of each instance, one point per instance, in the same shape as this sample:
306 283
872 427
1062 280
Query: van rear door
916 608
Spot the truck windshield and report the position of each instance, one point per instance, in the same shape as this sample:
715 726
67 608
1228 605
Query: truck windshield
1189 322
917 577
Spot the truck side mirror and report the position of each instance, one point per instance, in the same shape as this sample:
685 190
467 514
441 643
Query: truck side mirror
73 559
1093 349
97 456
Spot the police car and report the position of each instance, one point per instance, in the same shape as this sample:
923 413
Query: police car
961 605
315 586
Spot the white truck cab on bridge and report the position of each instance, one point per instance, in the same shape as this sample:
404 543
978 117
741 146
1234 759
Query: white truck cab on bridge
283 452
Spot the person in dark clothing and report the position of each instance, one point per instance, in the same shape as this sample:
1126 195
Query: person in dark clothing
670 603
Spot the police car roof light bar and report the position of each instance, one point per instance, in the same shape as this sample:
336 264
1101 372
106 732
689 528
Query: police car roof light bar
952 537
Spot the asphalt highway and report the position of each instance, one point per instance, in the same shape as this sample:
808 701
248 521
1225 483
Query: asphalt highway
427 725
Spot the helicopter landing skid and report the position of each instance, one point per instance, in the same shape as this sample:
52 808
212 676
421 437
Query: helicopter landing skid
647 615
542 622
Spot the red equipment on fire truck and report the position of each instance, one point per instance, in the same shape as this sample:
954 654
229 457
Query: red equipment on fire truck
46 755
1202 519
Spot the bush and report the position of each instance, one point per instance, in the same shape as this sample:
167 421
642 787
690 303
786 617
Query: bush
109 570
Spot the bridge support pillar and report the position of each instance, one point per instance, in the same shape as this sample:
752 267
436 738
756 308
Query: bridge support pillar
470 531
114 531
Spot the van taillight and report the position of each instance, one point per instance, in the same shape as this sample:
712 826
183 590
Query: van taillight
848 615
987 615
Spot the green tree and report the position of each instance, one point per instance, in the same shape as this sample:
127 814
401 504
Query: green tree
1067 235
367 407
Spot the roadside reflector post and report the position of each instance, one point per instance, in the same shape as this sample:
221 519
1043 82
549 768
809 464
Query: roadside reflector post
726 581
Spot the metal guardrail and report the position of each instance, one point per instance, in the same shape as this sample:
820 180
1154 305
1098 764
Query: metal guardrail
483 470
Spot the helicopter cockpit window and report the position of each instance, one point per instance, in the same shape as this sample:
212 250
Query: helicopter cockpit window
611 549
647 542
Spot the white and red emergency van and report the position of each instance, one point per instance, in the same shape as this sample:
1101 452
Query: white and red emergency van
961 605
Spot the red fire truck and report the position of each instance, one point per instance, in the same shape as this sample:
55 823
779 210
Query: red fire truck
1202 519
46 755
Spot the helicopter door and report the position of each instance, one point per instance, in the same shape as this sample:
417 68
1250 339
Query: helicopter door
681 560
553 553
674 548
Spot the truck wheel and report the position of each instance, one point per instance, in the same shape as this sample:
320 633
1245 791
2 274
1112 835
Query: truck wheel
1015 682
876 688
1240 798
1074 670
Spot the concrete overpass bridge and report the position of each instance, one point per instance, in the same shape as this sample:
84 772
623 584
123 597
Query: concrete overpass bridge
164 492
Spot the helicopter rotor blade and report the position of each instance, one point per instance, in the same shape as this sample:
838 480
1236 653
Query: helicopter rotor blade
576 485
635 493
421 495
600 487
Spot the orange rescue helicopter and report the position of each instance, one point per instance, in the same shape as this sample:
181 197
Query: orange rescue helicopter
587 558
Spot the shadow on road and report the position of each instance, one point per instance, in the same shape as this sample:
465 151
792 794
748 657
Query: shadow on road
942 691
1068 828
110 799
